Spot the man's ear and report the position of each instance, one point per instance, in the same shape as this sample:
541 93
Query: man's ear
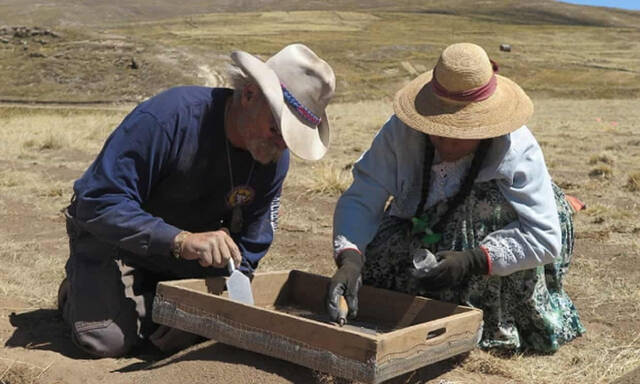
249 92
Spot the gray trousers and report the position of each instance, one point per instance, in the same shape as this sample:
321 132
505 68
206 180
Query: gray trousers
108 293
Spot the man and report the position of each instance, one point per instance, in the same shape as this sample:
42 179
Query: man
188 182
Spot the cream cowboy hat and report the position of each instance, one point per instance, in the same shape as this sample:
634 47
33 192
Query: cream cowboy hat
463 98
298 86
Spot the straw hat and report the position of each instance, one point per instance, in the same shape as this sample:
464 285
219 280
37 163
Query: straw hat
463 98
298 86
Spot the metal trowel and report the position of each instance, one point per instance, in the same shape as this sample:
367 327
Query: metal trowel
238 285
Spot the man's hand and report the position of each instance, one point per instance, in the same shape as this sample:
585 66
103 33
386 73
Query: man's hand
211 249
346 282
454 266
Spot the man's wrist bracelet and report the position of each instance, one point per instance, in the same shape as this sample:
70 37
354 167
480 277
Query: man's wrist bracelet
176 247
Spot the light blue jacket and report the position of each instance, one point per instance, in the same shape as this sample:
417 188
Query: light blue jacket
392 166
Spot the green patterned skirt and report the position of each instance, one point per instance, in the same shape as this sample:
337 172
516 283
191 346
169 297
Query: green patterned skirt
527 310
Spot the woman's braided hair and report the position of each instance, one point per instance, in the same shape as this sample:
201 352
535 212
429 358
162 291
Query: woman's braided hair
465 189
429 152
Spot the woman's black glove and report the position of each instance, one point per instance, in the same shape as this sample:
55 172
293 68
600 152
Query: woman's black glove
454 266
345 282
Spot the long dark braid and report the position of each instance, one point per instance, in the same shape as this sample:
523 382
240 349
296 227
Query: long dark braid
426 175
467 185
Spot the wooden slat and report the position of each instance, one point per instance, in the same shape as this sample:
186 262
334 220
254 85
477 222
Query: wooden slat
405 342
397 308
309 291
393 308
270 289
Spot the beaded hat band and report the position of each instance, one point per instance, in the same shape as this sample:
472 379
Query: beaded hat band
304 112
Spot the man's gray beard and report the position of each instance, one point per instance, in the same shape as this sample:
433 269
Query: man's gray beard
272 152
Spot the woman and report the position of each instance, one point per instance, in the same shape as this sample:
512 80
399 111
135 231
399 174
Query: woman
469 183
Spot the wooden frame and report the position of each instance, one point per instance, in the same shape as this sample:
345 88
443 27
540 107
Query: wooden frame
413 331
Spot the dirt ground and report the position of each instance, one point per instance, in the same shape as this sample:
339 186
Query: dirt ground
592 151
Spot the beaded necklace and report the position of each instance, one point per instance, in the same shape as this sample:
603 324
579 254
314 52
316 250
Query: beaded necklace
240 195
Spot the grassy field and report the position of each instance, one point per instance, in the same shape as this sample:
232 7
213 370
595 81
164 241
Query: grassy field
372 51
79 13
582 67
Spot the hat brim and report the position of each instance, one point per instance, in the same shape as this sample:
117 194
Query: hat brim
417 105
304 140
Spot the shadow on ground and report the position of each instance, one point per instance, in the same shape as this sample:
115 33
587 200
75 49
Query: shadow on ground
217 352
42 329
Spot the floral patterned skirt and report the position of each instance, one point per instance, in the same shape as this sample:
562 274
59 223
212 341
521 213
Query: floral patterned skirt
527 310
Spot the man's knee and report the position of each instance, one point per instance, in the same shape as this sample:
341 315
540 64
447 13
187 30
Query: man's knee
103 322
97 300
104 340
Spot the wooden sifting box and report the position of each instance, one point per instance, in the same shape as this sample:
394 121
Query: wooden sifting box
394 333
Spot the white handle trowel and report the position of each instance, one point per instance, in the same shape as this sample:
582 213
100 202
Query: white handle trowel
238 285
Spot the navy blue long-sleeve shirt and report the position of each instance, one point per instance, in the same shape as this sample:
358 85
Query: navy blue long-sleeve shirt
165 169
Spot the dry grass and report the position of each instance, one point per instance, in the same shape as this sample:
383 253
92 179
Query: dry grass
512 11
326 178
601 355
550 60
28 261
604 291
45 149
368 48
633 183
605 157
603 361
16 179
30 131
353 128
14 371
602 172
610 211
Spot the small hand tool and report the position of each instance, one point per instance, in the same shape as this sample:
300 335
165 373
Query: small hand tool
343 310
238 285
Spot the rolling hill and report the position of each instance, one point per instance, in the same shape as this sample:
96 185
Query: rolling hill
128 50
